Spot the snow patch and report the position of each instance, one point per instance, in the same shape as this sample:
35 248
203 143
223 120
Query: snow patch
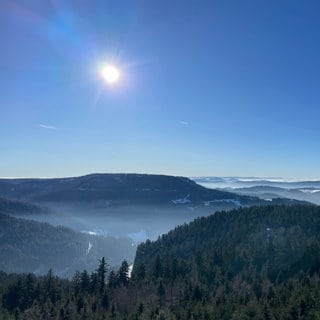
309 190
96 232
91 233
182 200
89 247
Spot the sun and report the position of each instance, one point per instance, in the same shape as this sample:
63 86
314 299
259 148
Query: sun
110 74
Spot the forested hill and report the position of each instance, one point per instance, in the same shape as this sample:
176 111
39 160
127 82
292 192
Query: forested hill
263 240
249 263
30 246
259 263
123 189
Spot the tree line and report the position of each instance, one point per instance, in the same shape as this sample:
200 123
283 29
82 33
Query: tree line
251 263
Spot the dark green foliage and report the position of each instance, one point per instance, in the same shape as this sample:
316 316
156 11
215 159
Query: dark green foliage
101 272
140 272
112 279
85 281
247 263
157 269
123 273
161 293
253 263
267 239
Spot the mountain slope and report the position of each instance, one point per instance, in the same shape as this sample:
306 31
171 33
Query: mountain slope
30 246
20 207
276 237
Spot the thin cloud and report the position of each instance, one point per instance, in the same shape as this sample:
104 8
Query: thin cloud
45 126
184 123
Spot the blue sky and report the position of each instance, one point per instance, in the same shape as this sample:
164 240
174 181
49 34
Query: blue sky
206 88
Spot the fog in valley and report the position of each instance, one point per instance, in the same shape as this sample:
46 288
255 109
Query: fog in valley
135 222
105 215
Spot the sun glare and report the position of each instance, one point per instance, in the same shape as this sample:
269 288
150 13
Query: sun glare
110 74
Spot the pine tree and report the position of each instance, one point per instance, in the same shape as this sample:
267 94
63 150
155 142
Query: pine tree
124 273
102 270
85 281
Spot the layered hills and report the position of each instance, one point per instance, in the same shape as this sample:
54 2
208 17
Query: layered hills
265 188
102 214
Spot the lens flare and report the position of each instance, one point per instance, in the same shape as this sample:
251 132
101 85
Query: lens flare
110 74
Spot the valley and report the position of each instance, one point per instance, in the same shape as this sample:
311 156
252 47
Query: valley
98 215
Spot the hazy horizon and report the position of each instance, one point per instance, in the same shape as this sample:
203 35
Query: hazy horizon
270 178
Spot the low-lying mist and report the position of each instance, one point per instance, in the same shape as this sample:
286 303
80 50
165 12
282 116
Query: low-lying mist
138 223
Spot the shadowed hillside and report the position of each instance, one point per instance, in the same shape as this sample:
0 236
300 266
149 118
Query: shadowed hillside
30 246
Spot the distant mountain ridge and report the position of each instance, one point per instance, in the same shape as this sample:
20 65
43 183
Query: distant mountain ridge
309 194
116 189
237 182
265 189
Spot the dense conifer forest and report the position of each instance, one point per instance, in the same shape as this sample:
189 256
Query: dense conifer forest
250 263
35 247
